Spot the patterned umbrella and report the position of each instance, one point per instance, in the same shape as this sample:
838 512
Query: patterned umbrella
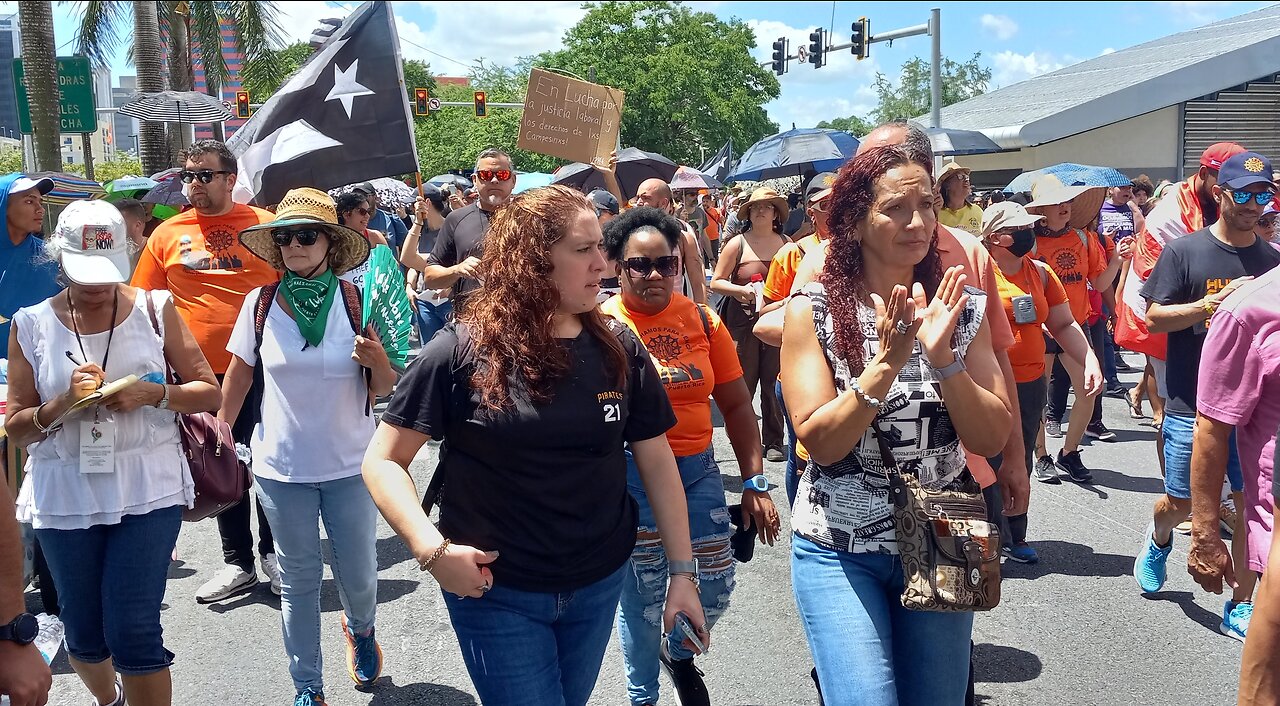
390 191
795 152
69 187
1070 175
690 178
129 187
168 193
176 107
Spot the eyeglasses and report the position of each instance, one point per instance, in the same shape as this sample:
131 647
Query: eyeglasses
362 211
489 174
305 236
1262 198
667 266
204 175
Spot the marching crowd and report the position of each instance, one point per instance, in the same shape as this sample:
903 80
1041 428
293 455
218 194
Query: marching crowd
912 353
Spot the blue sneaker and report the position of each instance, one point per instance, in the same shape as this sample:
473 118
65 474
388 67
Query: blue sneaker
1022 553
1235 619
309 698
364 656
1150 569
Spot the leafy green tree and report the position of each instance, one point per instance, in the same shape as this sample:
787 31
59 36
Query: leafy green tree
690 81
10 160
910 96
853 125
287 60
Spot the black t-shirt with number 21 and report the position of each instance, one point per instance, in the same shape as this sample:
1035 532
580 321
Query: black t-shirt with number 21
545 485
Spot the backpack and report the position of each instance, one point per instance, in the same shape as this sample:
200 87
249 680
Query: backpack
351 301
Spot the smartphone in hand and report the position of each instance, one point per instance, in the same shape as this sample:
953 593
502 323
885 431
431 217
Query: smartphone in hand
684 627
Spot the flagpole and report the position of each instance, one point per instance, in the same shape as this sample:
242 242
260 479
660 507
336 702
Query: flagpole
421 194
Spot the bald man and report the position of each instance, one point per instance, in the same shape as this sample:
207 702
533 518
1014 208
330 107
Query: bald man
955 247
656 193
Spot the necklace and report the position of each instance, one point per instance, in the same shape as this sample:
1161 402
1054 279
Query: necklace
111 332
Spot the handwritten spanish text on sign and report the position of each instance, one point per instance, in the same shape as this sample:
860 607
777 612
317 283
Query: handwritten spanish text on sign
570 119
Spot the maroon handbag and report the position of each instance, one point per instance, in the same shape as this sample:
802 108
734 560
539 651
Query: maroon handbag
221 479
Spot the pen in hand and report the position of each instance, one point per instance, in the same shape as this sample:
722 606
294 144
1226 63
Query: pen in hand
72 357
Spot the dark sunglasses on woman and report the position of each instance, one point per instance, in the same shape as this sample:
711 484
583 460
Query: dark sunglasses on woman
204 175
489 174
305 236
667 266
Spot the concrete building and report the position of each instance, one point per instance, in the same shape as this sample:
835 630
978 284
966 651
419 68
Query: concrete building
235 60
125 128
10 49
1151 108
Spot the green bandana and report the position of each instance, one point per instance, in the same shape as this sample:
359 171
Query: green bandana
310 300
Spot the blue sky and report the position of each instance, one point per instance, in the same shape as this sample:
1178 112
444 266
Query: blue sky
1017 39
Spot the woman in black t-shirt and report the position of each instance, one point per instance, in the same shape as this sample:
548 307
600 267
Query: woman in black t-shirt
534 394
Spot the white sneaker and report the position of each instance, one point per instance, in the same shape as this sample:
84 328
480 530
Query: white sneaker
271 567
119 700
229 581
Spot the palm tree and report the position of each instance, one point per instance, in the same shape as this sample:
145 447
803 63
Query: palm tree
40 71
257 32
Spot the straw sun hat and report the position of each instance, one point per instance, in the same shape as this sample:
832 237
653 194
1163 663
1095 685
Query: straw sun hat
308 207
1086 201
764 195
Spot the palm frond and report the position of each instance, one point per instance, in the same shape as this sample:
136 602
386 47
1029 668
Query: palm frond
102 23
205 27
258 34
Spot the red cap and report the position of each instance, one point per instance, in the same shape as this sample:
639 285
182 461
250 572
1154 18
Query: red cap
1218 153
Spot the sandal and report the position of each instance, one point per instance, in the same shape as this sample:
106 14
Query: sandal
1135 408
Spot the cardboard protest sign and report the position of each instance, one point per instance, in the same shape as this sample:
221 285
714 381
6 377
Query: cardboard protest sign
571 119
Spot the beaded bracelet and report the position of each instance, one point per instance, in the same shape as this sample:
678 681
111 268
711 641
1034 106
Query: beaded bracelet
439 552
868 400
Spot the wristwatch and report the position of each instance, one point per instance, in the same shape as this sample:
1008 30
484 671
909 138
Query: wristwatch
683 567
22 629
956 366
758 483
164 399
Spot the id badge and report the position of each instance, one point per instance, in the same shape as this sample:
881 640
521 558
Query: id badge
97 447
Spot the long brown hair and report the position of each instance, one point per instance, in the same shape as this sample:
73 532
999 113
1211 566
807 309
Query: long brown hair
843 274
510 319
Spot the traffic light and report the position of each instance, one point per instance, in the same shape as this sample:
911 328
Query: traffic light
421 102
861 33
817 48
482 107
242 104
780 56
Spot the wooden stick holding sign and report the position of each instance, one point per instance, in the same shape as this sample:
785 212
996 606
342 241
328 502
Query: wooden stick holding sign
570 118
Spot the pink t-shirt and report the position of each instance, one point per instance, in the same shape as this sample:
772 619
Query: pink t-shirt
1240 385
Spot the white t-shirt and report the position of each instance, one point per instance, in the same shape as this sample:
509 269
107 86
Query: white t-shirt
313 426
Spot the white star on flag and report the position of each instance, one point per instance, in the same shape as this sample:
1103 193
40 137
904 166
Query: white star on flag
345 88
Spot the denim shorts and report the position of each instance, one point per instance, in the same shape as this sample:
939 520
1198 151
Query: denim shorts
1178 431
111 581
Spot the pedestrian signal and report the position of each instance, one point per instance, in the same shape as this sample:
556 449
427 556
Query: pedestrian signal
421 102
482 107
242 104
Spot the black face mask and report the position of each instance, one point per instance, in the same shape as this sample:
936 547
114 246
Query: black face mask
1023 241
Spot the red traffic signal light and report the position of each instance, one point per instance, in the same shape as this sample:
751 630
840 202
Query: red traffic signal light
482 107
242 104
421 102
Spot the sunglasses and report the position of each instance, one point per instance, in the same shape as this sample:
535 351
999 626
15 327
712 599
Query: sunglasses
1262 198
489 174
667 266
362 211
204 175
305 236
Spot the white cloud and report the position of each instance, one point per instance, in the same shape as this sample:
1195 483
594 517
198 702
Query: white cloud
509 30
1002 27
1012 67
1108 50
1196 13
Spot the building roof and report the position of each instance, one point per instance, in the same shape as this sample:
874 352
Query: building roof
1126 83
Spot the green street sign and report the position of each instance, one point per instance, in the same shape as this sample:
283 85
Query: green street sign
76 107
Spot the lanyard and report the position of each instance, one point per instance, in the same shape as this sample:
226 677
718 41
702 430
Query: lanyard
111 332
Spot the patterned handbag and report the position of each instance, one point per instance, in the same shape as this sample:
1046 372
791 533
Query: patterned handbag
950 553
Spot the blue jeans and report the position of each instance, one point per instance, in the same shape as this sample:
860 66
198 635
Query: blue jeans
536 649
432 318
868 649
792 481
644 592
350 521
1178 432
111 581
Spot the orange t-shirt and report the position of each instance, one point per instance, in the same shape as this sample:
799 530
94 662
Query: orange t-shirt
961 248
200 260
690 364
1027 354
1075 260
714 219
782 271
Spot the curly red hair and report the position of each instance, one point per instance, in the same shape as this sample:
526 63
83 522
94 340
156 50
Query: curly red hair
842 274
510 319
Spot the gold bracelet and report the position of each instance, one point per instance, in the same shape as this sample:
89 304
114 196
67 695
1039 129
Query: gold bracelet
692 579
435 556
35 419
1210 307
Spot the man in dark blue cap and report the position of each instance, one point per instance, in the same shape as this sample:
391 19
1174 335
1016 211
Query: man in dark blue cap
1193 275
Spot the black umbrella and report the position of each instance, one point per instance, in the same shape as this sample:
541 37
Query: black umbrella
176 107
950 142
167 193
634 167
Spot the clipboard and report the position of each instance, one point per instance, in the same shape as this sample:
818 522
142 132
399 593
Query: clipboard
95 397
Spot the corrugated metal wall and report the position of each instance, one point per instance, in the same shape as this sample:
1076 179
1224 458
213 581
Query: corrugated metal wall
1250 117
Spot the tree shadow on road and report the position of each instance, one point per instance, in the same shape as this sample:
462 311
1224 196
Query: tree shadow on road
1001 664
1187 602
1069 559
386 693
389 590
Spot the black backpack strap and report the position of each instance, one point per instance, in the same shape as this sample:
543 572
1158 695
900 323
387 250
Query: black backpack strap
706 321
262 307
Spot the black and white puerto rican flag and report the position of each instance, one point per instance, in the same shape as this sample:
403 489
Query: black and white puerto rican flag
721 164
342 118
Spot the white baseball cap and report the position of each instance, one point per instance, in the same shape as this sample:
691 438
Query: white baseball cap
22 183
95 243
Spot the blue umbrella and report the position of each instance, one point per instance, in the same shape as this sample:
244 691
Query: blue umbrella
532 180
1071 175
795 152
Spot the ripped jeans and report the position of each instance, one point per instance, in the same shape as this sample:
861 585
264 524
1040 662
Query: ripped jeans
645 590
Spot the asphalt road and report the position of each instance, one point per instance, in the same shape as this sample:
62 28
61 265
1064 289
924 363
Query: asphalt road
1073 629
